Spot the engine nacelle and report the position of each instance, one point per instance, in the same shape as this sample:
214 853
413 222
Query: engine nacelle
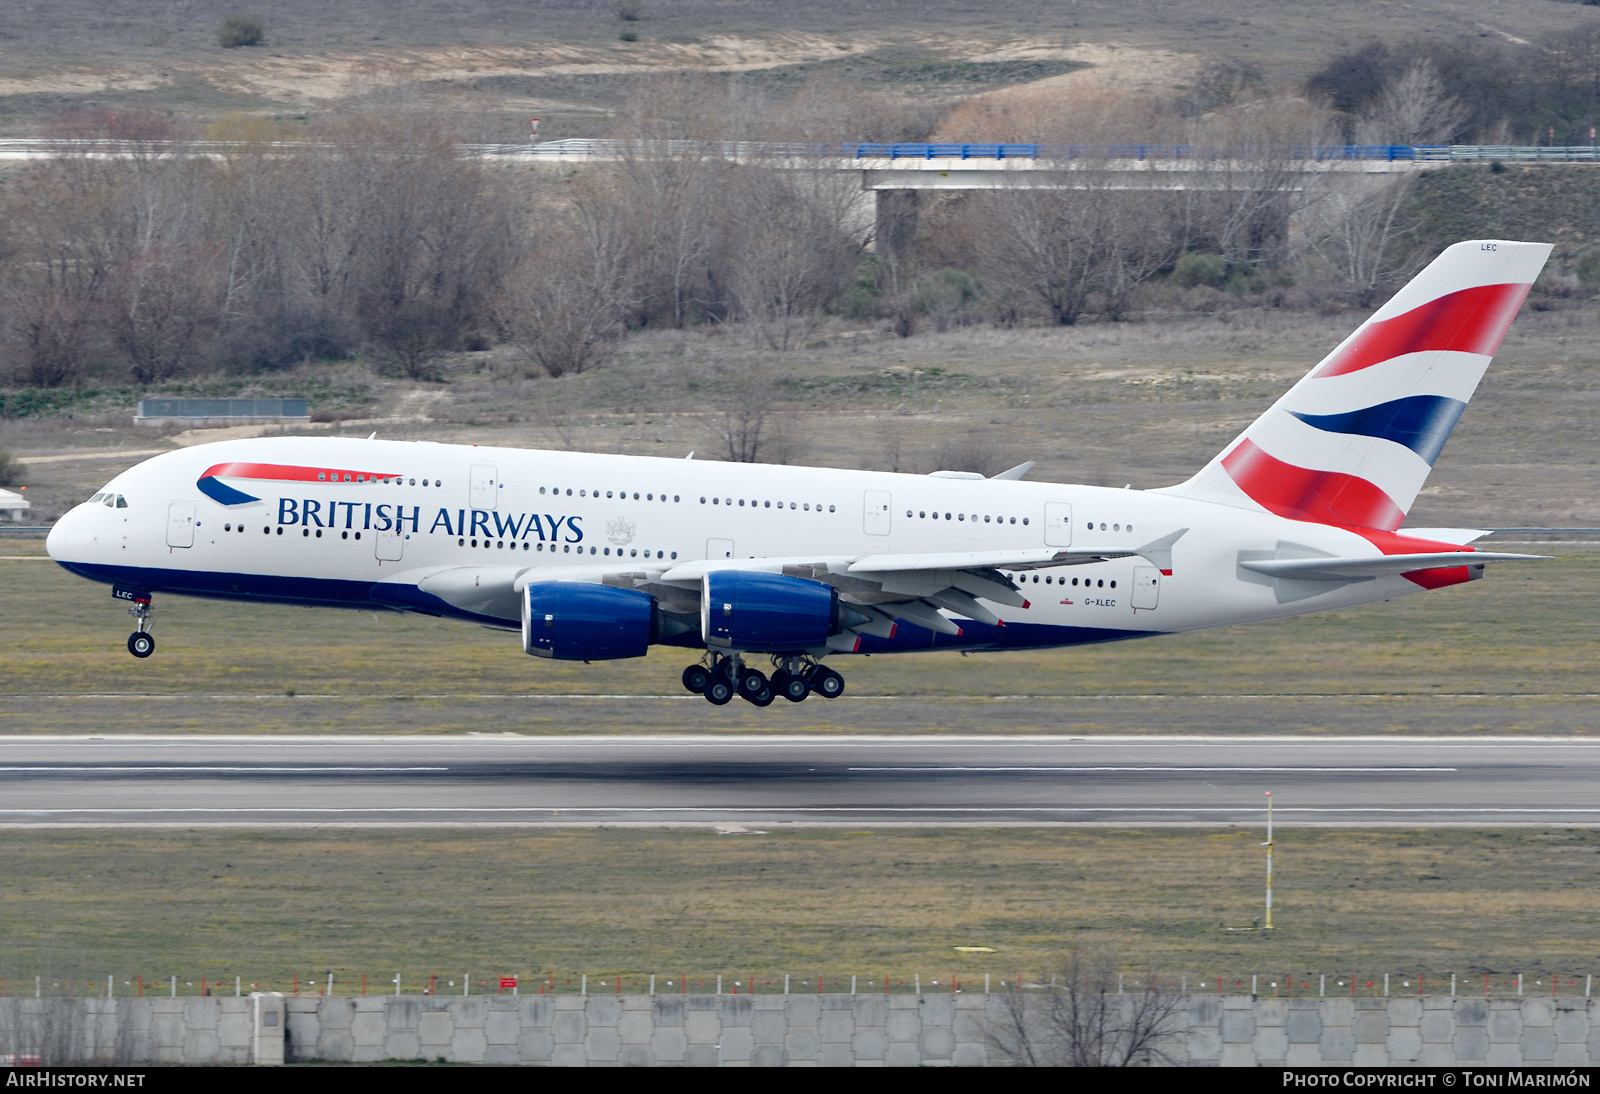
767 613
574 621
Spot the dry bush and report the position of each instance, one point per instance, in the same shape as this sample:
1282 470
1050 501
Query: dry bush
747 423
241 30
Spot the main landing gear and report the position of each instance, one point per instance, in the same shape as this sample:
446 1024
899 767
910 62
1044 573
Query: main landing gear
141 643
794 678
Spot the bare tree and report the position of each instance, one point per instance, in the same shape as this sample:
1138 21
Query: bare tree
1360 235
1081 1018
793 253
564 305
159 303
1415 108
670 194
1046 243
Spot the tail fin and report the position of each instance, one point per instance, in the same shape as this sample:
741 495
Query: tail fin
1353 442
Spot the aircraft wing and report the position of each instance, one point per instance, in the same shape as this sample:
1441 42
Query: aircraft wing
882 588
1344 569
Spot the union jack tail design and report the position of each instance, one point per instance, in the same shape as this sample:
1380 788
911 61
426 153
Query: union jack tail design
1352 443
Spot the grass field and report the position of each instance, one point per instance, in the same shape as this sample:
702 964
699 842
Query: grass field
270 906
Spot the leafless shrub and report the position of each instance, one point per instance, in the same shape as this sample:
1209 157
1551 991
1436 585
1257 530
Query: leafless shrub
1083 1018
748 424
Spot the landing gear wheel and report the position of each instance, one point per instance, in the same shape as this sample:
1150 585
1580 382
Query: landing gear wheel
827 683
695 678
791 687
761 698
141 644
752 682
718 691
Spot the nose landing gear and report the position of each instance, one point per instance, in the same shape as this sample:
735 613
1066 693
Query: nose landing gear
141 643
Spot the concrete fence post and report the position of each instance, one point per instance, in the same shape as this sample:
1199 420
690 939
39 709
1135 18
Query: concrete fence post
267 1042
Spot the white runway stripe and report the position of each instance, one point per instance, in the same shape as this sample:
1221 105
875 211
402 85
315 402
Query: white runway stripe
1140 768
817 809
209 769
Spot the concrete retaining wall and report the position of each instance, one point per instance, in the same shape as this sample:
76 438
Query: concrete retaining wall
778 1030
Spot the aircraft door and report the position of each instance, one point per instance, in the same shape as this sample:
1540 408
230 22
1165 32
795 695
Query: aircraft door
1057 524
1146 587
485 486
719 548
390 545
878 515
180 524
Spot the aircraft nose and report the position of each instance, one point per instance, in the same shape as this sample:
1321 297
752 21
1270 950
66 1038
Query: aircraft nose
69 536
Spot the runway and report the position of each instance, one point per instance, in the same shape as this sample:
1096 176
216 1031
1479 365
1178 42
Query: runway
746 781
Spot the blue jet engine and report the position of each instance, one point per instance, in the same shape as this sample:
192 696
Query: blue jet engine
770 613
575 621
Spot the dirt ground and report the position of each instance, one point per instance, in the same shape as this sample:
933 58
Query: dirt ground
515 57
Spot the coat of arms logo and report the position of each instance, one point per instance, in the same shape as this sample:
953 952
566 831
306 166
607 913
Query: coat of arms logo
620 532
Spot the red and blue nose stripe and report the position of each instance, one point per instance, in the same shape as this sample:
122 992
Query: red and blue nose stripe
223 494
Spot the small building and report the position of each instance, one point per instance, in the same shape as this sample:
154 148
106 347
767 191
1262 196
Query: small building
13 503
210 413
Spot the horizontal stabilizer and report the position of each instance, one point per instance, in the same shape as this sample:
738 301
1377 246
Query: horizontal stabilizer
1346 569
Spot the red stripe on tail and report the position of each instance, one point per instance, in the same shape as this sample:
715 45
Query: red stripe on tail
1470 321
1326 497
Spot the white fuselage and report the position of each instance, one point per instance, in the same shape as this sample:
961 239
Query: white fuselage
562 514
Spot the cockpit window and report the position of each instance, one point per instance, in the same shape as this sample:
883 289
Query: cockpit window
111 499
122 503
97 497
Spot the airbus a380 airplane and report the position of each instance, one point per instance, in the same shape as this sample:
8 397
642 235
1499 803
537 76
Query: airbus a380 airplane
596 557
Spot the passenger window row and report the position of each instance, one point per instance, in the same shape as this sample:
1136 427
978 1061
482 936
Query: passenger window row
756 504
621 495
1115 527
1088 582
566 548
922 514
